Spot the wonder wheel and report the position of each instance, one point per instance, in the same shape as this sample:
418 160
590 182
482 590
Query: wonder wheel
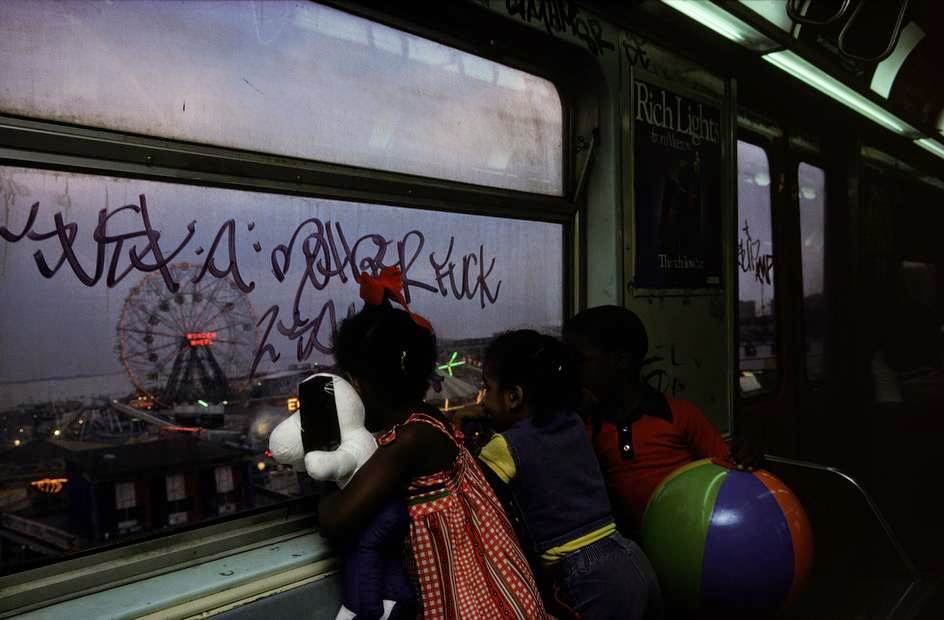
190 346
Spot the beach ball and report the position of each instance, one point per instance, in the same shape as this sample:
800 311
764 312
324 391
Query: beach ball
722 539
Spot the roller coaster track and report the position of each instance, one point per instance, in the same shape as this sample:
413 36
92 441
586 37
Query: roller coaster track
144 416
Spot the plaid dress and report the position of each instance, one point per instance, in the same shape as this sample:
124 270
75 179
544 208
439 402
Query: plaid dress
467 561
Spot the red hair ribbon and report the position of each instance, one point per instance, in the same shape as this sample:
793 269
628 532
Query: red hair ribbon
388 284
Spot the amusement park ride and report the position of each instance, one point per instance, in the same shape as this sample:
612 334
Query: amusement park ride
185 352
190 346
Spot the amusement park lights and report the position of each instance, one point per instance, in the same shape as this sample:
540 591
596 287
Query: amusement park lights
200 339
181 429
49 485
932 146
452 363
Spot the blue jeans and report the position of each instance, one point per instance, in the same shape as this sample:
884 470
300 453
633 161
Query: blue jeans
611 578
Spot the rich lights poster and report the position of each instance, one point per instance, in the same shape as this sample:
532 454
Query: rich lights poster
678 190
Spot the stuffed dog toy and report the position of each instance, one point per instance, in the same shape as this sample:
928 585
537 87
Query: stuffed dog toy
326 438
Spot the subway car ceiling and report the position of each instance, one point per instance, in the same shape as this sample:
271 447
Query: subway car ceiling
884 71
843 84
875 59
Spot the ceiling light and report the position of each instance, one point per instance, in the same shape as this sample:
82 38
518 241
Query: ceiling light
931 145
933 181
722 22
826 84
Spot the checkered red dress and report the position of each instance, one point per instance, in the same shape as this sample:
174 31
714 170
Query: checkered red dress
467 560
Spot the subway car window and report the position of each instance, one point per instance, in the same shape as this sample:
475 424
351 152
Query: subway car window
913 350
287 78
155 332
812 201
757 328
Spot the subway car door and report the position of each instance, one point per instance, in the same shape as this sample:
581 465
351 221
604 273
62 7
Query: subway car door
764 373
811 183
781 266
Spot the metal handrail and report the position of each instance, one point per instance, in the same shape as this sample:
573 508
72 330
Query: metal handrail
912 569
892 42
795 12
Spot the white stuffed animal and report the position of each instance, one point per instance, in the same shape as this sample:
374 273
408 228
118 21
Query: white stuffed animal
288 440
332 413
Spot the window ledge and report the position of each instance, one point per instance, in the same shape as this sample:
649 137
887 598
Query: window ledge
109 569
302 557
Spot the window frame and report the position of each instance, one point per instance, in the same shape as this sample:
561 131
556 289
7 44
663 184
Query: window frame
766 142
802 153
59 146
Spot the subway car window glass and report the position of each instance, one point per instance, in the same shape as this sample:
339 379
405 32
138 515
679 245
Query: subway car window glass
283 77
154 333
812 201
757 328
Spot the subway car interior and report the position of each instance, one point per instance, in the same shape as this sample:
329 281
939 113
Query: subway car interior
760 181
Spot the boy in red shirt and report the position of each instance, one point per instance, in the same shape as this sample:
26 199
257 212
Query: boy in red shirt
638 434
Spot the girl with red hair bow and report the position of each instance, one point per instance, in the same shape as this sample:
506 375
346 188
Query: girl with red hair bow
465 559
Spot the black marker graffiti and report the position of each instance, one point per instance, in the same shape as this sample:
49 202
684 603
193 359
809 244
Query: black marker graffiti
232 268
326 255
562 16
265 348
665 378
447 268
66 234
634 49
750 258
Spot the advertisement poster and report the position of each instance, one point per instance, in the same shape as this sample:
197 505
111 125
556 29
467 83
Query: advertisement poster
678 190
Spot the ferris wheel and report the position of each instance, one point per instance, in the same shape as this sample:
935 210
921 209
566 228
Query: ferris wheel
190 346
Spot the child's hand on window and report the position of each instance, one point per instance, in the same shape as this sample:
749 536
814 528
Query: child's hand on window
472 423
472 412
